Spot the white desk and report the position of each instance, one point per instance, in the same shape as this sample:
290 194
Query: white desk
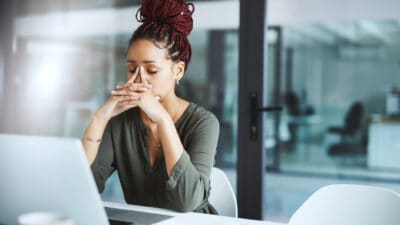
384 144
140 208
206 219
189 218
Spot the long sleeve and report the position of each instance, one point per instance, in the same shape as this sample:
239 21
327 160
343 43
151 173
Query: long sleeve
103 165
189 184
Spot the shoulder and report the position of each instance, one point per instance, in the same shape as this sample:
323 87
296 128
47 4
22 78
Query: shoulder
199 127
198 114
198 118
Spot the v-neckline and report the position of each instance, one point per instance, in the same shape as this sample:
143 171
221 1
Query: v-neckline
145 130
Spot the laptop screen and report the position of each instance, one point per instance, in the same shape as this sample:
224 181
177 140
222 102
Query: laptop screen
47 174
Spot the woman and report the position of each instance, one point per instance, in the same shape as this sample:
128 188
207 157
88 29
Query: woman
162 146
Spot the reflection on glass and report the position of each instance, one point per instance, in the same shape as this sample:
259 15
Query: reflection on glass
337 78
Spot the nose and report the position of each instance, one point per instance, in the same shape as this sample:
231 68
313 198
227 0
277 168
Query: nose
140 77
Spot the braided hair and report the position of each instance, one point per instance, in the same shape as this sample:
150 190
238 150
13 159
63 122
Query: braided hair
166 22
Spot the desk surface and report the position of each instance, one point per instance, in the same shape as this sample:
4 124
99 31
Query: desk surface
140 208
385 119
189 218
207 219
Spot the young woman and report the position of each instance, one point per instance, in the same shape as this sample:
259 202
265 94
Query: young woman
162 146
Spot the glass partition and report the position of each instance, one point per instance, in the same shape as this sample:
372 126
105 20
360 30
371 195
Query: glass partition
339 79
339 83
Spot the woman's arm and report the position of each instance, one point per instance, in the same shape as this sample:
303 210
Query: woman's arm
115 105
92 137
171 143
189 183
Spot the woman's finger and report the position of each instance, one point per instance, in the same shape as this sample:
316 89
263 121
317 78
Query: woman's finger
134 87
119 86
142 78
124 93
128 103
133 77
119 93
137 87
118 99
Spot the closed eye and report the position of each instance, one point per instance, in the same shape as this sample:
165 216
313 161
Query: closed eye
152 71
132 70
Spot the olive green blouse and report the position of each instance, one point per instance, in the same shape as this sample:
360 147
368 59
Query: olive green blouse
124 148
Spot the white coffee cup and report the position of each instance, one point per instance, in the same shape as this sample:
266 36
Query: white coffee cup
44 218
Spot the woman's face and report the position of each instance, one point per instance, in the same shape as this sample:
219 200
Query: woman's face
159 70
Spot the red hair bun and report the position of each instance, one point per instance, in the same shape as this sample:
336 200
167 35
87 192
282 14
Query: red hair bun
176 13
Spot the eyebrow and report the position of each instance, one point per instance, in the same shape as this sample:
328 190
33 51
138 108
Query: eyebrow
145 61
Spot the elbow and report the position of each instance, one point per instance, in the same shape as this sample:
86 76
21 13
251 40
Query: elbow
187 206
185 209
192 200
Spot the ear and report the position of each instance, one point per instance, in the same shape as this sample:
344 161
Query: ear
179 70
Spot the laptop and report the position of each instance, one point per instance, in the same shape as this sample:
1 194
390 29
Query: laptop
51 174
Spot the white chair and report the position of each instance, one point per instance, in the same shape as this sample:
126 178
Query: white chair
345 204
113 190
222 196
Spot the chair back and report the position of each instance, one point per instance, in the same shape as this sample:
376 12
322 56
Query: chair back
347 204
222 196
354 118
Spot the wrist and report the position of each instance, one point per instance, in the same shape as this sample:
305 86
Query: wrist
94 131
101 117
90 139
165 120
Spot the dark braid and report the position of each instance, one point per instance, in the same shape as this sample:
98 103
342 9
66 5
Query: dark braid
168 22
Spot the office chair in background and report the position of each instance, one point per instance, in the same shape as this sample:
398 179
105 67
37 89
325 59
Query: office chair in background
347 204
350 133
299 112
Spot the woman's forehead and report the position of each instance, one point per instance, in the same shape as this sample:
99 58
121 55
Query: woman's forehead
145 50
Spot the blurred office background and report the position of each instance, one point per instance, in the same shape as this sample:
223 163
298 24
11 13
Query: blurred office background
333 65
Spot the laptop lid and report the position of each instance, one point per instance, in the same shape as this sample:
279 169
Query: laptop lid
47 174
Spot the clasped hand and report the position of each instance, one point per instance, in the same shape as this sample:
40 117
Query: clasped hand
130 95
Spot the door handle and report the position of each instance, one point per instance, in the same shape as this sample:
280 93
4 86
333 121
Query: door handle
254 110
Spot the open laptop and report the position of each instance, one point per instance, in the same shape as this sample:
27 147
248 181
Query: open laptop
51 174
